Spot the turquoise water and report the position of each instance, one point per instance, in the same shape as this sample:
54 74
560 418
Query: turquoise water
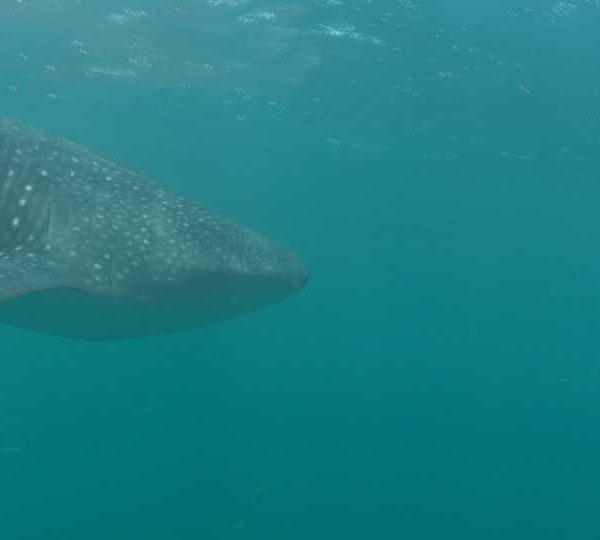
436 165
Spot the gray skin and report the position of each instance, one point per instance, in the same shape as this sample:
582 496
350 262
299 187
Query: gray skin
92 251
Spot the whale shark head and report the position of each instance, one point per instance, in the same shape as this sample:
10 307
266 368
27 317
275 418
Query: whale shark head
90 250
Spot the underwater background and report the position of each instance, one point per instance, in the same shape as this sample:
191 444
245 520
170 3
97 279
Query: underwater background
436 165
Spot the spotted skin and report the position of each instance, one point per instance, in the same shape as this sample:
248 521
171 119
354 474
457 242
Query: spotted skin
91 250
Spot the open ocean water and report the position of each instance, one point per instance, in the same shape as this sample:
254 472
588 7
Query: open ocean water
436 164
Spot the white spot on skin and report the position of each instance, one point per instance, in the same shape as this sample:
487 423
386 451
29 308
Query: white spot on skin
15 222
28 187
22 202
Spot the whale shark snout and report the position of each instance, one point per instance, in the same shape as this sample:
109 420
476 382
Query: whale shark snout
294 272
267 260
252 269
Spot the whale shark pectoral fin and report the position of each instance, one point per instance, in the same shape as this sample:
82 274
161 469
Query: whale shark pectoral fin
25 273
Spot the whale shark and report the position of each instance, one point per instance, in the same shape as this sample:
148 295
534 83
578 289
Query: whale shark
92 250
